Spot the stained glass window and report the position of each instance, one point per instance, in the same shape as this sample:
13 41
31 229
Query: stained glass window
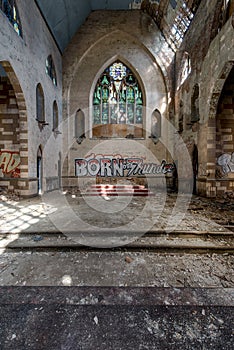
50 69
117 97
10 9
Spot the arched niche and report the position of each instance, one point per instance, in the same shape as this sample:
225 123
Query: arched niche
79 127
195 116
156 126
13 130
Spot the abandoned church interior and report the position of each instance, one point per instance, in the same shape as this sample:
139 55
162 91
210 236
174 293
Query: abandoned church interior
158 73
123 111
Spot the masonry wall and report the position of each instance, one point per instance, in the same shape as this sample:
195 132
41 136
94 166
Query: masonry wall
225 138
210 45
24 62
133 38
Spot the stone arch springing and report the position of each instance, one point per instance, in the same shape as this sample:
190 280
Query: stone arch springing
23 118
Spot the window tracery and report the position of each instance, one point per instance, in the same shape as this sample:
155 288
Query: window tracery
117 97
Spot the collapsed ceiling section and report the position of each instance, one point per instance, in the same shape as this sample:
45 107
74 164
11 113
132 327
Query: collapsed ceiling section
173 17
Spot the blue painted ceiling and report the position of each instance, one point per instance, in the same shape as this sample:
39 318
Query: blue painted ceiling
64 17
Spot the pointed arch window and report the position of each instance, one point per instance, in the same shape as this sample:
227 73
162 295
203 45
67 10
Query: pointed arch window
195 117
118 98
79 126
186 68
50 69
156 125
10 9
40 104
55 116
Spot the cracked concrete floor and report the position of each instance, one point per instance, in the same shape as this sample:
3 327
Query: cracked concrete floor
114 267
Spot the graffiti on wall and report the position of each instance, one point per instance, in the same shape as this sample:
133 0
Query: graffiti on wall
9 164
226 162
118 166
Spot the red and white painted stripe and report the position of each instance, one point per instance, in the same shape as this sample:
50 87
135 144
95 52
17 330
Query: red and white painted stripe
117 190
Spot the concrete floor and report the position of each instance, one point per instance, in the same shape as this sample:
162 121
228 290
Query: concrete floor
59 289
30 224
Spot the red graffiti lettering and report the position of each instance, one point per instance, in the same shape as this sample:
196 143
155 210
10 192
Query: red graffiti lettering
9 164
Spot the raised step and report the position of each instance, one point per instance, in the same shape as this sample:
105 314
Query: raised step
117 190
183 240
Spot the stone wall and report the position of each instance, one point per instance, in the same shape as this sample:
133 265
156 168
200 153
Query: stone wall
134 39
210 46
23 59
225 138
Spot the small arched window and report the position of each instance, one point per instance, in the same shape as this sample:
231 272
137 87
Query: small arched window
186 68
55 116
156 125
195 117
117 99
181 117
79 126
227 11
10 9
40 104
50 69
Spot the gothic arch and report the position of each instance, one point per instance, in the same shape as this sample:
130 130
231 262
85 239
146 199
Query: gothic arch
211 125
218 87
133 114
128 64
23 118
215 96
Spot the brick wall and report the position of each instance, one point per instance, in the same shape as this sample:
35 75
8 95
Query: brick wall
225 137
9 117
9 136
24 62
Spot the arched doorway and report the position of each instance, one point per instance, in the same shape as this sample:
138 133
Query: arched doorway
13 133
225 138
208 182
